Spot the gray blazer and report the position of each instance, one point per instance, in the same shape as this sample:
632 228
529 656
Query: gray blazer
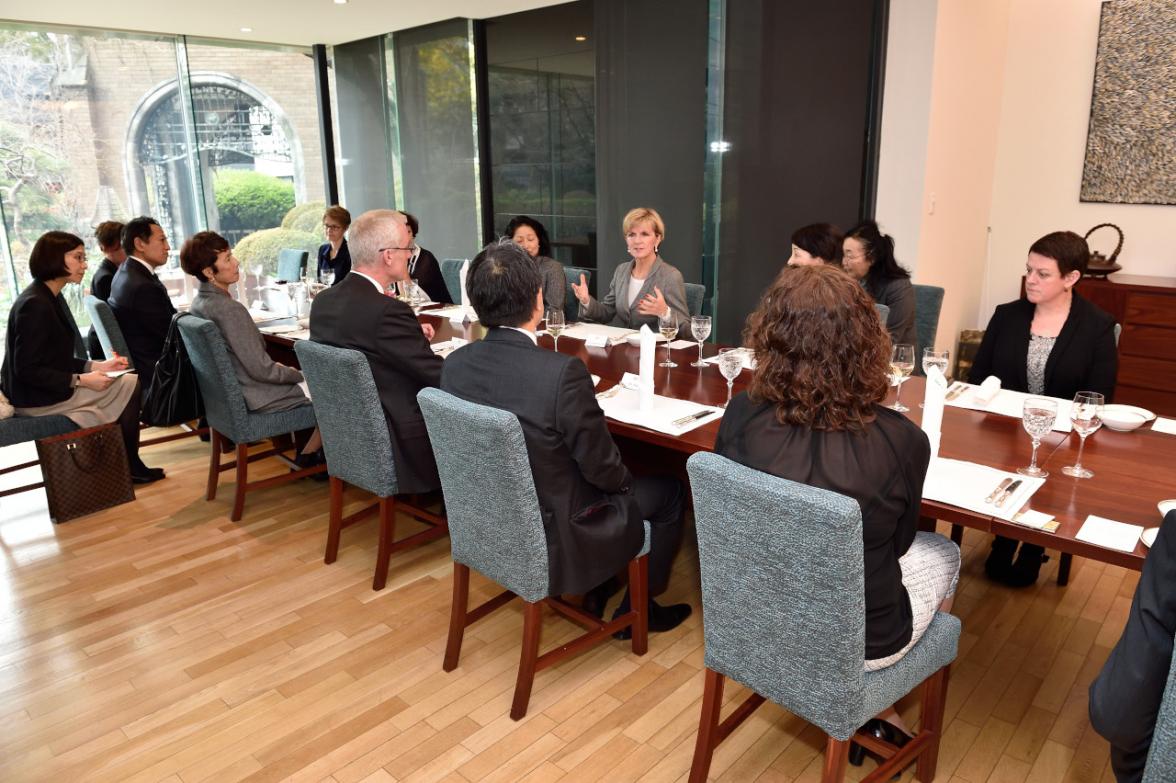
615 309
555 283
899 295
267 385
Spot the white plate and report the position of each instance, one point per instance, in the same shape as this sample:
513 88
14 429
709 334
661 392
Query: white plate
1125 418
635 339
1165 506
1148 537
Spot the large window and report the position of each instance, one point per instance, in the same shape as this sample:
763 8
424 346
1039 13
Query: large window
101 126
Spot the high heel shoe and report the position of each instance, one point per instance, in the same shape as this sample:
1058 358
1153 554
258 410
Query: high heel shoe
883 730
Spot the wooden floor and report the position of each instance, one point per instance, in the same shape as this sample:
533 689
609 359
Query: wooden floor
158 641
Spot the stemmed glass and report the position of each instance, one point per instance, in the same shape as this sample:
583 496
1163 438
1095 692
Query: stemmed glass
668 326
730 365
328 278
902 364
700 326
1037 417
934 358
1086 417
555 324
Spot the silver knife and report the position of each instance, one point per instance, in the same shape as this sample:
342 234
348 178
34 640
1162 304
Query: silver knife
1008 493
1001 487
692 417
956 390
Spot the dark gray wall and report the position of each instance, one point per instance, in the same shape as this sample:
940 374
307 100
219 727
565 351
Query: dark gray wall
797 112
650 126
360 82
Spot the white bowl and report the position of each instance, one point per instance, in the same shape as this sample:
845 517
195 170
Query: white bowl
1125 418
1165 506
1148 537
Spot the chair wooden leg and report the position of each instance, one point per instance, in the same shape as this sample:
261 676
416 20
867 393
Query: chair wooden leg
957 534
1064 569
387 535
213 463
836 760
242 481
335 525
639 601
708 726
457 615
532 624
934 701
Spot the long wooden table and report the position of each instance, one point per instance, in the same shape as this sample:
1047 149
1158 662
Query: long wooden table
1133 471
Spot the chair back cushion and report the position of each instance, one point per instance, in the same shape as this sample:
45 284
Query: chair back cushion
350 418
107 329
224 403
571 304
451 274
495 525
783 590
695 296
291 264
1161 758
928 303
884 314
20 429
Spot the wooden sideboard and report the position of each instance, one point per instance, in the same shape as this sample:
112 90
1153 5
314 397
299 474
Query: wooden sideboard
1146 308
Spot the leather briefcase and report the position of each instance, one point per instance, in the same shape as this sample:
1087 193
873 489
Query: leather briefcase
85 471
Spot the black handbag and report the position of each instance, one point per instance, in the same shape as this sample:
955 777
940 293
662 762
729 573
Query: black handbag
174 396
85 471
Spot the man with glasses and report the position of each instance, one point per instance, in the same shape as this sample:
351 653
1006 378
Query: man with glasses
355 313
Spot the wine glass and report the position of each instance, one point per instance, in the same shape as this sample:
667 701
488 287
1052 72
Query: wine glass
934 358
668 326
1037 417
902 364
700 326
407 291
730 365
555 324
329 278
1086 417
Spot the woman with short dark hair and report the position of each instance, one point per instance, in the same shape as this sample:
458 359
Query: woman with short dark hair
816 243
333 255
868 256
1051 342
42 376
529 234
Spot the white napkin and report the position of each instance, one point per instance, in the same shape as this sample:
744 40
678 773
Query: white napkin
1109 533
967 484
987 390
623 404
446 347
678 345
1167 426
933 407
465 270
645 365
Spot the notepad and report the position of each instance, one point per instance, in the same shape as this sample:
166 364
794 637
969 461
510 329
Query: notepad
1108 533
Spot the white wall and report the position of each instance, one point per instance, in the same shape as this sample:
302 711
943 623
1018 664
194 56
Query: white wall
1048 78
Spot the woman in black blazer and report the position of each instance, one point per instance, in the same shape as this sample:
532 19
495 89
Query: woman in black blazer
333 255
423 266
1052 342
41 375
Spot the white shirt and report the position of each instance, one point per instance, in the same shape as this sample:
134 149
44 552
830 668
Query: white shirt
370 279
634 289
146 266
528 332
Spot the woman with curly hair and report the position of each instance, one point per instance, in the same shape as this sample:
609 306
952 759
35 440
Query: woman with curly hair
813 414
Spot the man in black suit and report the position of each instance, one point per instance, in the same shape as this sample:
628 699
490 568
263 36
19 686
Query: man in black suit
1125 697
109 236
355 313
592 505
139 299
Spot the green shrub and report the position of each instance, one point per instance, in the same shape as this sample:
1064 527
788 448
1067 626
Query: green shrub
250 200
261 247
306 217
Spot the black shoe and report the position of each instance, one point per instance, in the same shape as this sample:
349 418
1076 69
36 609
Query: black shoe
597 598
661 618
1025 570
146 475
304 460
1000 559
883 730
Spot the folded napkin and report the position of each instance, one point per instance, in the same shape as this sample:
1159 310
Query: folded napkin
1167 426
966 484
678 345
645 367
1109 533
933 400
624 404
746 355
987 390
446 347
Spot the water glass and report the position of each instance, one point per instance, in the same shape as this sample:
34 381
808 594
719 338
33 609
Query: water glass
934 358
1085 417
555 324
700 327
1037 417
730 365
668 326
902 364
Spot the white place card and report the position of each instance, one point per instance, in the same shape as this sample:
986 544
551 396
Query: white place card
678 345
1166 426
1108 533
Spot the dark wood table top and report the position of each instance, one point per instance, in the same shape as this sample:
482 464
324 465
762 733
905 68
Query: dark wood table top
1133 470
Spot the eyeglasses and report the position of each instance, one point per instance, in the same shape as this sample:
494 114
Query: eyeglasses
382 249
332 227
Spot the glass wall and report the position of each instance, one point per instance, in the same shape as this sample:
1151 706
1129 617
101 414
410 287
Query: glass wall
99 126
542 108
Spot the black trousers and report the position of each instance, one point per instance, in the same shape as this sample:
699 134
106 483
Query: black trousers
662 501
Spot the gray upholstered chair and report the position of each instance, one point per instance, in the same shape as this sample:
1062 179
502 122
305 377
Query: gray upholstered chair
291 265
928 303
572 274
355 442
451 274
695 297
883 312
228 416
496 527
20 429
783 596
1161 757
107 328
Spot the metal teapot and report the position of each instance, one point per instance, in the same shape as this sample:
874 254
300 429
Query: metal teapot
1099 265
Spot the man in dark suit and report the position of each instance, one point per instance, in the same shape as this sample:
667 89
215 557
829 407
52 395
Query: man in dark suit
356 314
109 236
1125 697
139 299
592 505
423 266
